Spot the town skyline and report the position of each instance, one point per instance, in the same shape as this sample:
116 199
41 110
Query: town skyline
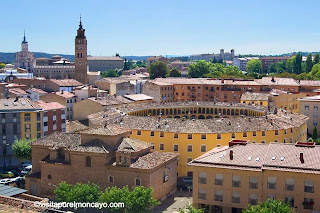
194 32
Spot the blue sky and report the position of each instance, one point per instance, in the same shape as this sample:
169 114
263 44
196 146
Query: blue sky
173 27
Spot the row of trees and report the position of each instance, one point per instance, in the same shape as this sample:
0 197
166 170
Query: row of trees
138 199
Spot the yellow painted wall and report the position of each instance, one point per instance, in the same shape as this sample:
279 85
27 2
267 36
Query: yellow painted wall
33 121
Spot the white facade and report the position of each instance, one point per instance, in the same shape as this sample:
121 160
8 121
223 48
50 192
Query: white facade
242 62
15 73
24 58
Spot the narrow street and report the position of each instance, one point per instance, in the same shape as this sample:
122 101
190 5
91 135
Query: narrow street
175 202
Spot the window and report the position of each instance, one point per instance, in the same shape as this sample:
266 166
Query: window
27 117
272 182
290 201
203 136
4 130
202 177
28 136
202 194
45 123
245 134
254 133
315 115
38 126
263 133
189 149
218 195
152 133
315 108
3 118
306 107
111 179
189 160
219 179
308 186
152 145
38 135
88 161
203 148
161 134
218 136
235 197
233 135
253 199
38 116
161 146
253 183
139 132
276 132
235 181
176 135
175 147
138 182
189 136
289 184
308 203
15 129
27 127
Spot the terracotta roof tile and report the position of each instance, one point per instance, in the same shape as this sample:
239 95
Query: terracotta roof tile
153 160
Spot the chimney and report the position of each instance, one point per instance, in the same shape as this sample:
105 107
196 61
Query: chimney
17 98
301 157
222 81
272 79
61 91
231 154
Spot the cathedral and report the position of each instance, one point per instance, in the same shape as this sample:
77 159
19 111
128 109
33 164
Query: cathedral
24 58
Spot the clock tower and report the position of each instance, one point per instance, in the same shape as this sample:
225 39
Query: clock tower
81 64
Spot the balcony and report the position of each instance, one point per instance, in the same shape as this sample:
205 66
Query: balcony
308 189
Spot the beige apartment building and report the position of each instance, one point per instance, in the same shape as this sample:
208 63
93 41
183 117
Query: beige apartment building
228 179
309 106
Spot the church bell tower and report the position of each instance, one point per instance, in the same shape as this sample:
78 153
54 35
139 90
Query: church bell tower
81 64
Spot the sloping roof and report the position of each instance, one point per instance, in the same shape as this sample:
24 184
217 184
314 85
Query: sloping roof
50 105
75 126
96 146
311 98
153 160
66 82
17 91
278 81
104 58
20 104
59 139
250 96
105 130
36 90
138 97
110 100
10 191
309 83
65 94
132 145
273 156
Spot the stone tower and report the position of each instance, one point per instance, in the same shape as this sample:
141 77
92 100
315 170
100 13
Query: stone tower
81 64
24 58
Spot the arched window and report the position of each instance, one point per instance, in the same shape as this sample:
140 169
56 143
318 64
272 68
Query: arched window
88 161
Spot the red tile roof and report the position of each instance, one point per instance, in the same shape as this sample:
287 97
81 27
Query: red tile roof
50 105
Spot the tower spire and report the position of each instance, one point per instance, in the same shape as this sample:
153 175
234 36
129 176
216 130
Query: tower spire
80 25
24 37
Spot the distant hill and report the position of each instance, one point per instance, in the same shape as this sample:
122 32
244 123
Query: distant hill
10 57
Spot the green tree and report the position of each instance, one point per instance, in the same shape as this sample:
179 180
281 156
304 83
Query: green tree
198 69
110 73
141 63
315 133
315 71
316 59
272 68
126 65
270 206
81 192
255 66
2 65
22 150
174 72
158 69
139 199
191 209
297 63
290 64
309 63
281 66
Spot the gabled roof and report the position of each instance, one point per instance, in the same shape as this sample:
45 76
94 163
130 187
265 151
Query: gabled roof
132 145
153 160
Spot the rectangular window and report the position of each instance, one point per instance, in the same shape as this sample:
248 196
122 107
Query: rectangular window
138 182
218 195
202 194
189 136
315 108
27 117
306 107
15 129
308 186
203 136
27 127
202 177
28 136
38 135
189 149
245 134
276 132
290 201
176 148
219 180
189 160
176 135
254 133
233 135
289 184
218 136
235 197
111 179
263 133
253 183
161 134
38 126
203 148
308 203
272 181
38 116
138 132
4 129
161 146
235 181
152 133
253 199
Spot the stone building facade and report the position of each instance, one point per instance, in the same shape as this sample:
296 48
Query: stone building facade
24 58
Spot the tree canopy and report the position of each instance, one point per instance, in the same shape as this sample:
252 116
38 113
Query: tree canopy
191 209
198 69
22 150
174 72
109 73
158 69
254 66
2 65
270 206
